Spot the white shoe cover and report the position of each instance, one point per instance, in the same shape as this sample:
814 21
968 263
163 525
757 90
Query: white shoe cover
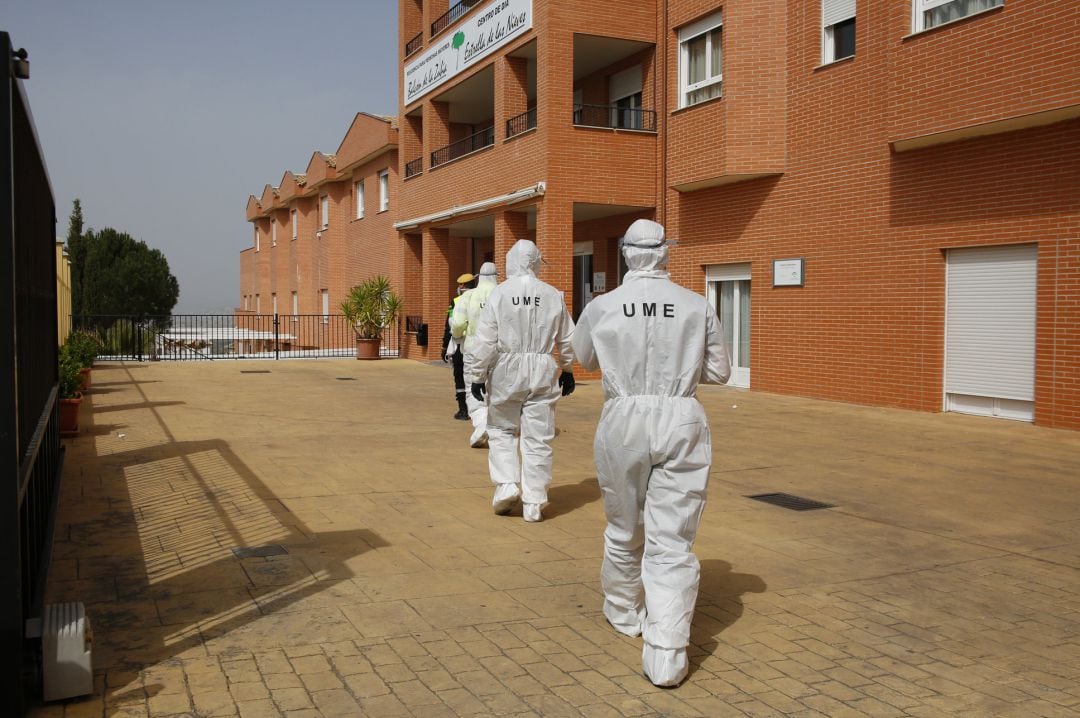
506 497
531 513
664 666
621 623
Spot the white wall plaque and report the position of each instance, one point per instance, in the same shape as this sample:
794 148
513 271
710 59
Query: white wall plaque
787 272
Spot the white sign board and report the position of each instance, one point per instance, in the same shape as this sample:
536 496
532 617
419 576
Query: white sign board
477 37
599 282
787 272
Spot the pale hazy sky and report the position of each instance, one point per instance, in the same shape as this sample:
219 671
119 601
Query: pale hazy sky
163 116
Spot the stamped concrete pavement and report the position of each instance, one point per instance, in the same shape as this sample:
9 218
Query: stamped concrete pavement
945 581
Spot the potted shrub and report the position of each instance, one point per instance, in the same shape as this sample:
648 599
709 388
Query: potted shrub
84 347
371 307
70 396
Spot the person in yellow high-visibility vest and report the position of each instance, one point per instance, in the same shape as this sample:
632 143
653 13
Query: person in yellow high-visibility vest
451 348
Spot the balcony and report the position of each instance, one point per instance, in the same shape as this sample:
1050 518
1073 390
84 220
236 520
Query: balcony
618 117
414 167
415 44
448 17
521 123
468 145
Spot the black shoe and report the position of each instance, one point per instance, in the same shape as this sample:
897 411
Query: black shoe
462 415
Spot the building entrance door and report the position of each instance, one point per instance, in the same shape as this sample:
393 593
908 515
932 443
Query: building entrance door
583 271
729 293
990 331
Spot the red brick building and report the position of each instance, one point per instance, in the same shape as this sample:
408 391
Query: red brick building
318 234
882 197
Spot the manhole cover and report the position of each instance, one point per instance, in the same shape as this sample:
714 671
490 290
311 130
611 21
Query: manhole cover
789 501
254 371
259 551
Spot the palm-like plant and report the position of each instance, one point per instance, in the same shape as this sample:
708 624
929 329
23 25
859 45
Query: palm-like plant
371 307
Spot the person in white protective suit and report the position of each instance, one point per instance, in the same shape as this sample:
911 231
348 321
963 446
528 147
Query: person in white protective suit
463 323
654 341
510 358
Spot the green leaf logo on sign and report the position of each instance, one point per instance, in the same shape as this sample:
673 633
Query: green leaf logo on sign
456 43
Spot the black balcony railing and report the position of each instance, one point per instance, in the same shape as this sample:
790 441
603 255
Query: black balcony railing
450 15
414 167
521 123
415 44
472 143
245 335
613 116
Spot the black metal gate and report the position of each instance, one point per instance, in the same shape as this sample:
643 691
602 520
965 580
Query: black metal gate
195 337
29 430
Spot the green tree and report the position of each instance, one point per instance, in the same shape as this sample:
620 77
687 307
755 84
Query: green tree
121 275
76 249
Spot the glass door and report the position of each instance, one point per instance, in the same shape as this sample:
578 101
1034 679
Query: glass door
729 293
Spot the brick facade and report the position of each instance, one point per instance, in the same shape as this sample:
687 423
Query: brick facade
870 168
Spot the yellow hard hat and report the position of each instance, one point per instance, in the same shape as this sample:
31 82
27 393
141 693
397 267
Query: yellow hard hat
465 278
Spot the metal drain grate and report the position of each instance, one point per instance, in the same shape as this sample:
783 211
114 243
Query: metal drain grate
259 551
346 378
254 371
789 501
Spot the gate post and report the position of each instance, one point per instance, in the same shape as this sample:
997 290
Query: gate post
138 339
277 338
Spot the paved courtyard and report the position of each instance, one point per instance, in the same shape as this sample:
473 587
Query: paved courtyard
944 582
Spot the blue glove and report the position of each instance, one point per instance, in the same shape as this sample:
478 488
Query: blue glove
478 391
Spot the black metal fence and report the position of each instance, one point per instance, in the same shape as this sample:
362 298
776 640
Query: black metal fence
414 167
29 432
472 143
201 337
444 20
613 116
521 123
414 44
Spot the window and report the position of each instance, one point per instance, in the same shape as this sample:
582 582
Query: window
624 89
324 210
628 111
273 302
358 192
256 239
292 218
258 304
384 190
700 61
931 13
295 304
273 232
325 306
838 30
246 303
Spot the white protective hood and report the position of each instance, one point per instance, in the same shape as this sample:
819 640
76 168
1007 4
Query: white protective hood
644 247
522 259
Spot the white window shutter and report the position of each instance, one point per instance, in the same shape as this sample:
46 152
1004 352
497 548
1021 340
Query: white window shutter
834 11
990 322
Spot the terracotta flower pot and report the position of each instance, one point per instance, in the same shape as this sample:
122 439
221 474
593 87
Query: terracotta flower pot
85 374
367 348
69 416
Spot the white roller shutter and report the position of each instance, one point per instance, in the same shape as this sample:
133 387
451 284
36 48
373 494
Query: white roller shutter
834 11
990 328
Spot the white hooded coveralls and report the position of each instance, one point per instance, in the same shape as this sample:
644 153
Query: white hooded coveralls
523 322
654 341
463 323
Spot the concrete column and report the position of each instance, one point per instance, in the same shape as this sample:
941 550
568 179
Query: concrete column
436 128
509 227
437 285
511 91
555 238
